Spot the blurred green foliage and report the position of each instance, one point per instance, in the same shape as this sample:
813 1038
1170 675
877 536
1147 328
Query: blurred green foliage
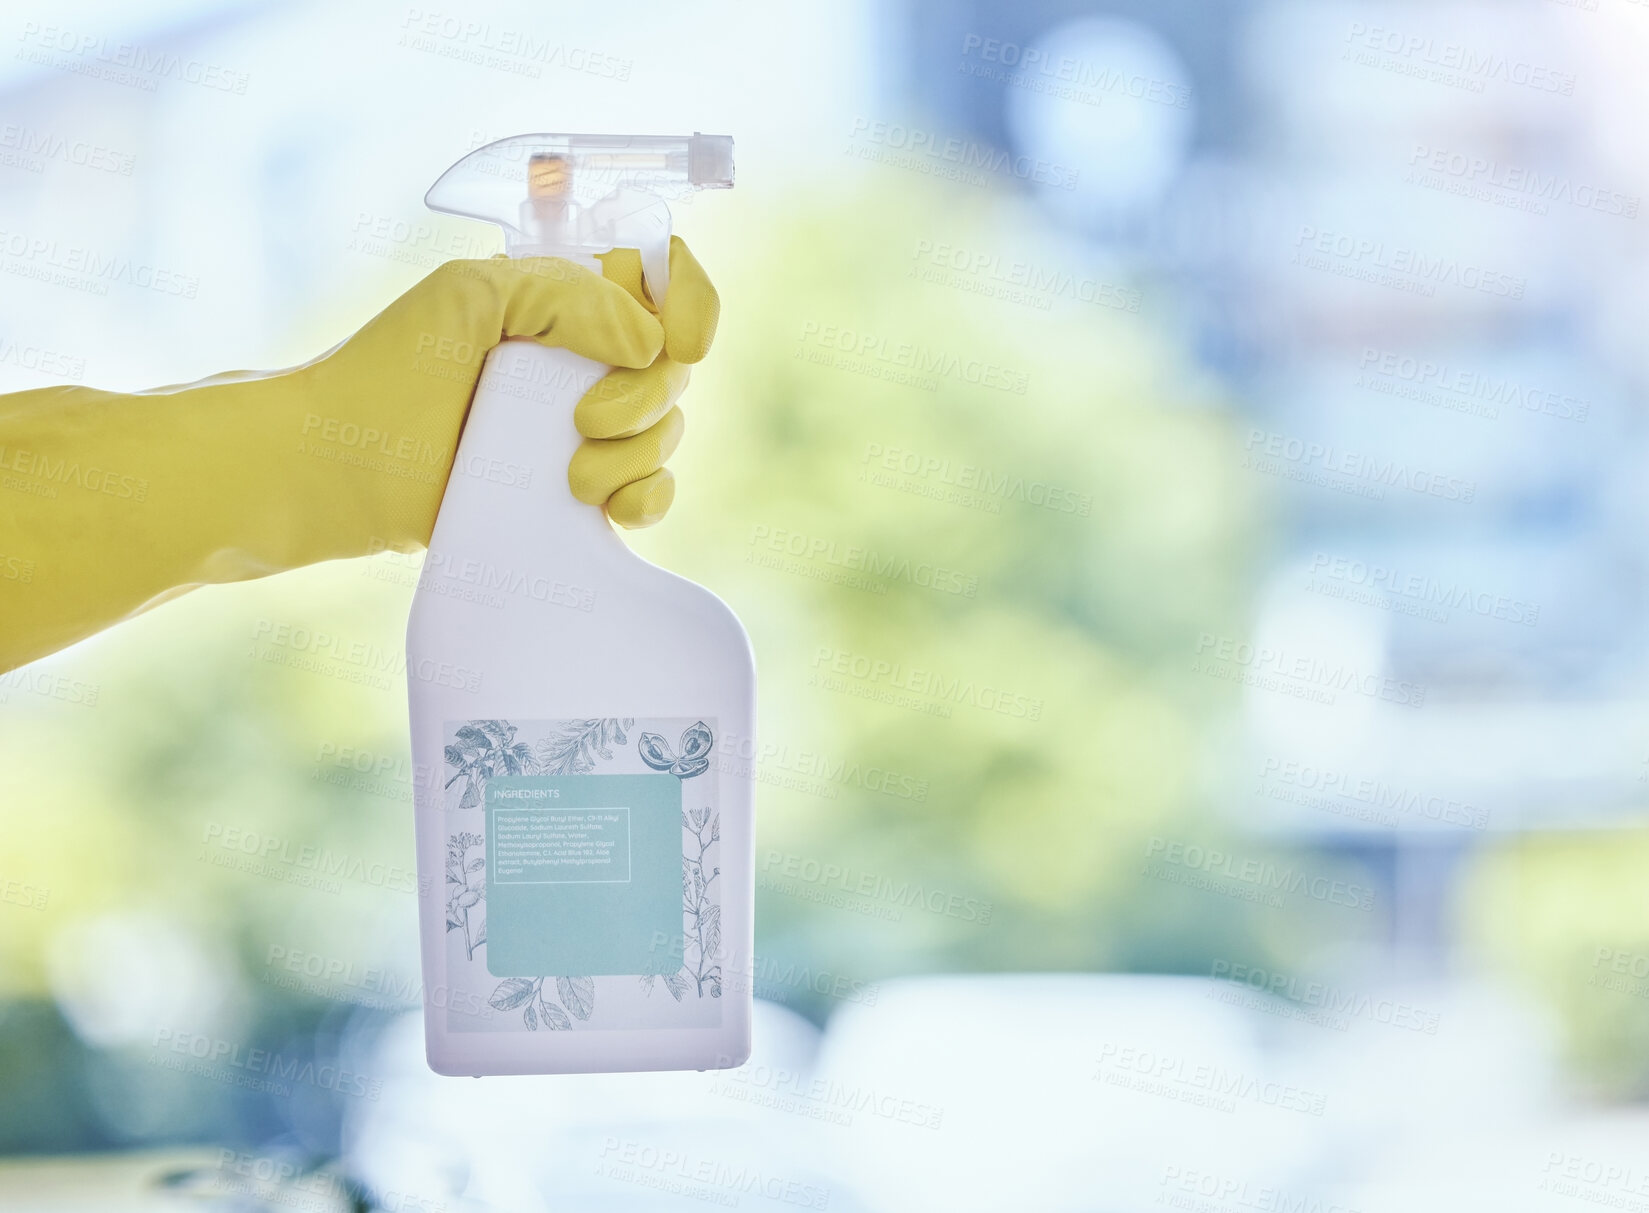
1567 916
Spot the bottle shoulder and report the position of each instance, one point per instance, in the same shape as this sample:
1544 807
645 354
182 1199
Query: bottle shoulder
688 610
619 603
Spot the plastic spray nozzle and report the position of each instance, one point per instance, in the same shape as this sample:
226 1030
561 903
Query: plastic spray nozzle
578 195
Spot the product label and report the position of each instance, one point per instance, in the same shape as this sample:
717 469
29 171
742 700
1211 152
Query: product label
557 846
583 874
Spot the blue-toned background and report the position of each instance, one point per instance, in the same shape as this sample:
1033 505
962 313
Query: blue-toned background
1180 467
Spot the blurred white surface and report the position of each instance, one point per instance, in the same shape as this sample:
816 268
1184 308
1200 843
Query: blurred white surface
983 1093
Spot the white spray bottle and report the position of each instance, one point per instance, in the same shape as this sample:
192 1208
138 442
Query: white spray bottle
585 861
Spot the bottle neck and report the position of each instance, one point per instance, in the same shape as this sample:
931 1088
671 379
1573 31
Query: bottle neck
507 501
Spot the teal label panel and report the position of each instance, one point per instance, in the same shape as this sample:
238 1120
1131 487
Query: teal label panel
584 875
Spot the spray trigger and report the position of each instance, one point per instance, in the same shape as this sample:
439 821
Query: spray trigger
578 195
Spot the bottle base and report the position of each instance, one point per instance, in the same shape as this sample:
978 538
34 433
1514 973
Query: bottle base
622 1053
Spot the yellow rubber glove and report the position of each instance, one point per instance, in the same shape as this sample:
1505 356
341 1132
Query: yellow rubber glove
628 419
111 503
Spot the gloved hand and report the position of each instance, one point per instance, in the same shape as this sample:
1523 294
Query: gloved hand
628 419
113 502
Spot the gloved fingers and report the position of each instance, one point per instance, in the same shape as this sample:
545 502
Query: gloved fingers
625 402
643 502
601 467
560 303
691 305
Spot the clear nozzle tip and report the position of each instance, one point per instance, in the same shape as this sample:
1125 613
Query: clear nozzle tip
710 159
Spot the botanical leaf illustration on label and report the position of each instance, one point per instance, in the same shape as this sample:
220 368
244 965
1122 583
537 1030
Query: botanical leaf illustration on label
705 916
699 973
577 995
574 750
694 759
466 890
482 749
